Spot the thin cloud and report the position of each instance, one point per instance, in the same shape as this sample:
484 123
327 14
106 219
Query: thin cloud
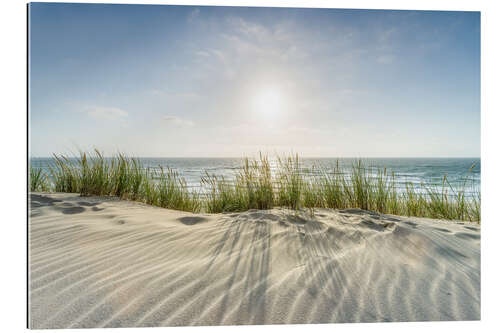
203 54
386 59
193 15
184 95
106 113
177 121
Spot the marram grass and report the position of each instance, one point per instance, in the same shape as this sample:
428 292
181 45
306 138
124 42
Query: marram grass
256 186
38 180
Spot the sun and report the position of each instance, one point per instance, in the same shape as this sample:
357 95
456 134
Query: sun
269 102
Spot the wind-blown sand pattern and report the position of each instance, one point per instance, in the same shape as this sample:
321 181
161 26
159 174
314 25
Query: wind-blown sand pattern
104 262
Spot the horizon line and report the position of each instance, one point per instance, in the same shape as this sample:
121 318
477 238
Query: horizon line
318 157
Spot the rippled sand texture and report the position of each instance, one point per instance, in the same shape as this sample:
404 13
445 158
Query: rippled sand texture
104 262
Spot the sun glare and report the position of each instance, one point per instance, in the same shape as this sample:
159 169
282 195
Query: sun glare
269 102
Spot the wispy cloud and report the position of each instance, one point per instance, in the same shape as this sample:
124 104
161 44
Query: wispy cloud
386 35
178 121
386 59
193 15
241 41
203 53
106 113
181 95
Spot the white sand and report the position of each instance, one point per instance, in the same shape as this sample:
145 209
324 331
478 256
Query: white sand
98 262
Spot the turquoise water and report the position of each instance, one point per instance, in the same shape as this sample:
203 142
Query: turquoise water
414 170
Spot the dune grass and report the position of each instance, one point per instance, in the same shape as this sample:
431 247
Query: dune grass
257 186
290 182
38 180
92 174
252 188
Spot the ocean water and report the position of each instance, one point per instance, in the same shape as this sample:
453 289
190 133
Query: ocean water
414 170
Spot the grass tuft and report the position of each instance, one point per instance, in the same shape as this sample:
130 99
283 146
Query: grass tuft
38 180
257 186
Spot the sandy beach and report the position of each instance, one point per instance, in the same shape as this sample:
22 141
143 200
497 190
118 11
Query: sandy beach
105 262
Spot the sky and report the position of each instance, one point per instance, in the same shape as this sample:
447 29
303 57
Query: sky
188 81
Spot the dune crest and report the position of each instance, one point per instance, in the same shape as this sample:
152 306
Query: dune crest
104 262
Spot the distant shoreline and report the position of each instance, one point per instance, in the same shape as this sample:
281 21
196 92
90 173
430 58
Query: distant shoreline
303 157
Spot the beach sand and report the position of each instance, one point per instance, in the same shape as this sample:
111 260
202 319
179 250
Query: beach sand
105 262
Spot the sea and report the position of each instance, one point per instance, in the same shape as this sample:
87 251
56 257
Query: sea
417 171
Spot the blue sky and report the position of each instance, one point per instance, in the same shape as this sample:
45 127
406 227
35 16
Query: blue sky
232 81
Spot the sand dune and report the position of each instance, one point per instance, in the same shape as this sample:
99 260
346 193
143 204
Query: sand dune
104 262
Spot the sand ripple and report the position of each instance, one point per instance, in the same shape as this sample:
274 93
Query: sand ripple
103 262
